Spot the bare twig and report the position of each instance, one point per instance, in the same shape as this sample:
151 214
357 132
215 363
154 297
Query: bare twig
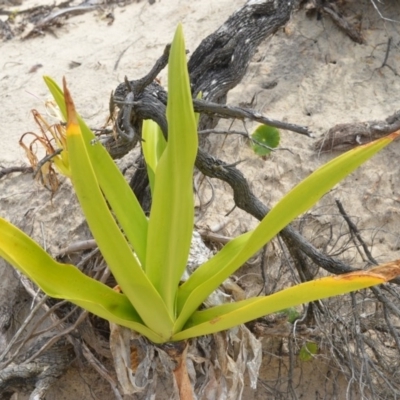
120 57
245 135
21 329
387 52
226 111
49 19
102 371
55 338
160 64
380 14
44 160
354 230
214 237
23 169
76 247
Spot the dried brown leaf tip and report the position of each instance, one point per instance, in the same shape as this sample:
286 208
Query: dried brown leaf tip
388 270
394 135
69 103
44 145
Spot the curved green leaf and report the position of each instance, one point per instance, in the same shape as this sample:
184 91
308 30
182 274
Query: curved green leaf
64 281
172 212
228 315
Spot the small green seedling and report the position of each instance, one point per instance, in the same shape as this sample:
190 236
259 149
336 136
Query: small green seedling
264 139
307 351
148 256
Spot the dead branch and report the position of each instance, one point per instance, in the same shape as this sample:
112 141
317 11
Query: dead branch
354 231
334 13
23 169
346 136
50 19
47 357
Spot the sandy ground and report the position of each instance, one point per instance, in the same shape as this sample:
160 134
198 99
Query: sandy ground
140 31
322 78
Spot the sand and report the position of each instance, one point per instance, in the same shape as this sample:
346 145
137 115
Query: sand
322 79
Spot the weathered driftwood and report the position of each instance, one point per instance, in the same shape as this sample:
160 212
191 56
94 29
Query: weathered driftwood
331 9
37 375
343 137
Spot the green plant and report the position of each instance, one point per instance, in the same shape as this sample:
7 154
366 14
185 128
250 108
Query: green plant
307 351
148 256
265 138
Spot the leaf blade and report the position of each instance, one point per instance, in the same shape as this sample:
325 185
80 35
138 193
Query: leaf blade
153 147
229 315
172 213
64 281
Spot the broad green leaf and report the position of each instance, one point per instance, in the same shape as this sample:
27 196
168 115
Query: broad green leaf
64 281
119 195
111 241
153 147
266 135
172 212
207 277
228 315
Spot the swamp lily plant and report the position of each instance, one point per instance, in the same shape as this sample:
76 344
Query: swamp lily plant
148 256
